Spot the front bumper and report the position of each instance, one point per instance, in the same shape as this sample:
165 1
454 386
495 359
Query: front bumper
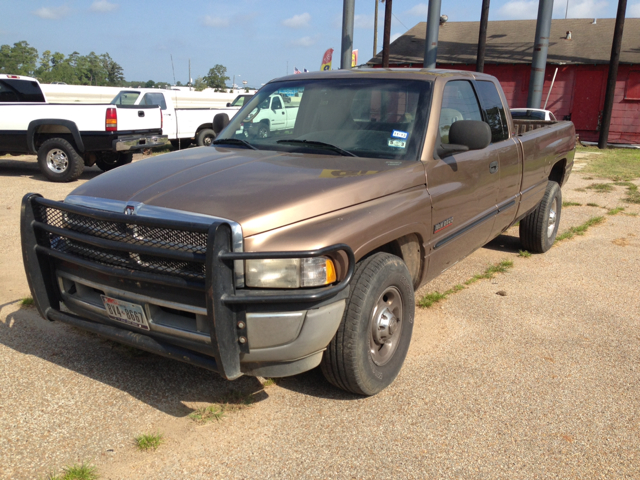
196 316
140 142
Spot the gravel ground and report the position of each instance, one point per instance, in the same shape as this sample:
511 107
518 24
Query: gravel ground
542 382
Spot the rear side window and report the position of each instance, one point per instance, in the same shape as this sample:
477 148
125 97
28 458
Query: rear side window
494 110
154 99
12 90
459 102
125 98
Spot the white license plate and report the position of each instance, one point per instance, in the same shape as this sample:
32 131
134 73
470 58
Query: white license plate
125 312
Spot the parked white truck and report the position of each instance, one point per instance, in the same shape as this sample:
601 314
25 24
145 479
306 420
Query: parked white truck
68 137
277 113
181 125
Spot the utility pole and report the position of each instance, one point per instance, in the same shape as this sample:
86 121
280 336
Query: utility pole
431 38
347 34
386 38
482 36
613 74
540 50
375 30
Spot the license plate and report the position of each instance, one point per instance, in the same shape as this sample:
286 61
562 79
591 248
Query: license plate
125 312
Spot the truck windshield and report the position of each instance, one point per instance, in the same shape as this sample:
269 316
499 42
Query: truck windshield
125 98
364 117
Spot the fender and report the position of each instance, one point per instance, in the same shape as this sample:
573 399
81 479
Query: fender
73 128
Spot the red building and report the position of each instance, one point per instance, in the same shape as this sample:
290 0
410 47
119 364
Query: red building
579 50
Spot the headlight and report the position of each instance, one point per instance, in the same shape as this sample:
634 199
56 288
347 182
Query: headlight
290 272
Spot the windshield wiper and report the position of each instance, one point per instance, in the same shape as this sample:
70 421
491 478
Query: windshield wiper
311 143
234 141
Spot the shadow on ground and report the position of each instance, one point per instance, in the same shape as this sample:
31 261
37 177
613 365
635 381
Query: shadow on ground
23 168
505 243
161 383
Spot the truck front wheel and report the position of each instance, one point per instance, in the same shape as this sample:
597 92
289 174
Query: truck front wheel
538 230
59 161
205 137
370 346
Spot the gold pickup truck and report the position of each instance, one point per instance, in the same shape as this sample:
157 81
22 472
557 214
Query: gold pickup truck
272 254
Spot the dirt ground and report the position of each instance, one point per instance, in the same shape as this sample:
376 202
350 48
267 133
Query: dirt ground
539 381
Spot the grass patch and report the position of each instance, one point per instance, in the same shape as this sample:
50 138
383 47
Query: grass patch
82 471
524 254
593 205
613 163
434 297
571 204
233 401
580 189
615 211
269 382
601 187
579 230
149 441
633 195
27 302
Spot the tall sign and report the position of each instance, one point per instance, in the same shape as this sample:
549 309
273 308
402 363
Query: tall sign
326 60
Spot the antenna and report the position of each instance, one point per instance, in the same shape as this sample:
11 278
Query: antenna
189 74
173 69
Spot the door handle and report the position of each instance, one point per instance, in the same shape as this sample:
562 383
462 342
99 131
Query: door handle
493 167
140 113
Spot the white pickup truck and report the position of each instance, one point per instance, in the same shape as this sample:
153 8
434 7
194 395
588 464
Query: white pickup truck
277 113
68 137
181 125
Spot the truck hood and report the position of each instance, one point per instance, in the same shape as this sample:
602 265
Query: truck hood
259 189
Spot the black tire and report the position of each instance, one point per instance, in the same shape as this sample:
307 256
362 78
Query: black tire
181 144
262 131
358 360
538 230
59 161
106 162
205 137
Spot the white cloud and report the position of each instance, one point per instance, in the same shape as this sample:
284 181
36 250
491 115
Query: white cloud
215 22
634 10
528 9
52 13
519 10
420 10
104 6
297 21
363 21
304 42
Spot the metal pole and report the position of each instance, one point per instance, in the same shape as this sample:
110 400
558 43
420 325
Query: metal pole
386 37
613 74
431 39
540 50
482 36
550 88
375 30
347 34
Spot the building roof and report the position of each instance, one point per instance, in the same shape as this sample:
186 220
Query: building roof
511 41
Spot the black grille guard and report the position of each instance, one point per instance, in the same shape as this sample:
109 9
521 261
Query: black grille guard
198 257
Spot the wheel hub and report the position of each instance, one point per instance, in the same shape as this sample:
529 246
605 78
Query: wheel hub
551 226
386 326
57 160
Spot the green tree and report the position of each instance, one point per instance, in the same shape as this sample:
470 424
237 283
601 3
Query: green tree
216 78
200 84
20 59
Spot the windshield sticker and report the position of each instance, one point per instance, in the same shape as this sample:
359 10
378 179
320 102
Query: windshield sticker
400 134
397 143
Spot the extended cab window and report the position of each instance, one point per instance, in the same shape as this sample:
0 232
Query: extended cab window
459 102
12 90
494 110
154 99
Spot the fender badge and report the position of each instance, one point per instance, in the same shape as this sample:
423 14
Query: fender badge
442 225
129 210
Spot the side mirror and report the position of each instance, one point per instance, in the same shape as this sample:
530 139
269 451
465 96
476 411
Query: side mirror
220 121
228 104
466 135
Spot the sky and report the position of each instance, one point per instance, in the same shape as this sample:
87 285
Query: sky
256 40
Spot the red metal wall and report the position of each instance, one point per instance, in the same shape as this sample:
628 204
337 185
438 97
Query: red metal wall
578 91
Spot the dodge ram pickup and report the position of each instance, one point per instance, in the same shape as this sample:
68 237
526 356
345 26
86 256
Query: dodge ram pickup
271 256
68 137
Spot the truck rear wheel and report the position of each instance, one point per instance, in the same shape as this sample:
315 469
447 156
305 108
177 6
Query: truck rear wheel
107 161
370 346
59 161
205 137
538 230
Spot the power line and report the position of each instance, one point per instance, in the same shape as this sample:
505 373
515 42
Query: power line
394 16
